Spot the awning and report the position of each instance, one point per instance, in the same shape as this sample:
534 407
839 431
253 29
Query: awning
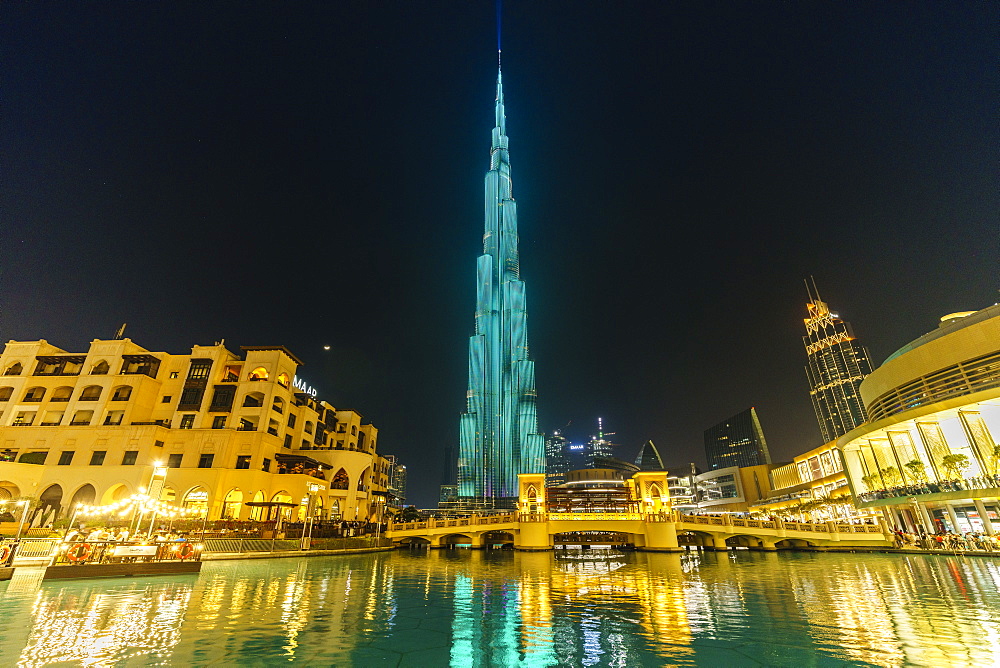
270 504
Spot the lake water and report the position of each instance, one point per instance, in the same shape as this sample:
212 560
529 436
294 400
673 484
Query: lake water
473 608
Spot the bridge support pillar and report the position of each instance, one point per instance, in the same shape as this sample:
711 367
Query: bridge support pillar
661 537
768 545
719 543
532 536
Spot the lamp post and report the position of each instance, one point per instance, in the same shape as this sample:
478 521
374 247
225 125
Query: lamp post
24 516
159 472
306 541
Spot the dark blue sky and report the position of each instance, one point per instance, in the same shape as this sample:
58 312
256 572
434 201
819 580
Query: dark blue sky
311 174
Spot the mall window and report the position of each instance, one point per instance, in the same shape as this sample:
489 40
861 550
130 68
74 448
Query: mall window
219 422
248 424
291 419
114 418
222 398
174 461
24 419
91 393
14 369
260 373
243 461
100 369
191 398
187 421
65 458
283 379
97 458
34 394
266 466
199 369
288 441
122 393
129 458
166 399
232 374
205 461
175 374
5 393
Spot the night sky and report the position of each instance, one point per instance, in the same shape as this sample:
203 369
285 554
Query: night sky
312 174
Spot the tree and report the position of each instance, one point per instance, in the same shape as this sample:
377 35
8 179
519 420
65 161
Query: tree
955 464
872 481
891 475
917 470
409 514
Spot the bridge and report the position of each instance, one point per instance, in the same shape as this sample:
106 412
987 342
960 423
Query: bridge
663 531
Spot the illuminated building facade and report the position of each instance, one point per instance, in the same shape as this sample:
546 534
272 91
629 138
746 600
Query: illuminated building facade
837 364
737 441
558 460
649 458
498 436
91 427
929 456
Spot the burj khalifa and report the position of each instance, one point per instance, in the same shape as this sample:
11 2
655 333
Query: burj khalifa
499 436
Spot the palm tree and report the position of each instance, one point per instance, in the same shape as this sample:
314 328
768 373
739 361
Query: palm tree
917 470
872 481
891 475
955 464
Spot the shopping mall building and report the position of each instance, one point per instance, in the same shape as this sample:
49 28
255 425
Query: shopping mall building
221 433
928 455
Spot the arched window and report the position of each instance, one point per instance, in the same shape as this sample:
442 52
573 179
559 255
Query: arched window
278 405
100 369
50 503
340 480
122 393
197 499
61 394
361 480
256 512
34 394
91 393
86 495
283 379
232 505
5 393
308 427
260 373
253 400
14 369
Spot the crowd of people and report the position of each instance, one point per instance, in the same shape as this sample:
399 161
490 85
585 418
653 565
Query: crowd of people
123 535
979 482
947 540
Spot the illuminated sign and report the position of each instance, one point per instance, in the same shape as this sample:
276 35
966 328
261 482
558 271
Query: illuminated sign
302 386
576 447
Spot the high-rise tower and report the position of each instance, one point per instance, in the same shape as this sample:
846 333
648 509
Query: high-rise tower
737 441
498 436
837 365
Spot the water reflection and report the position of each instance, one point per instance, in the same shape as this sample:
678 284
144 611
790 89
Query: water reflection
531 609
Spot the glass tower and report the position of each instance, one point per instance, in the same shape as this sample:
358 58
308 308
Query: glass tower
498 436
738 441
837 364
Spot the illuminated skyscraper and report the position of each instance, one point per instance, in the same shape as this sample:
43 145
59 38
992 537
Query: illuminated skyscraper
837 364
498 436
737 441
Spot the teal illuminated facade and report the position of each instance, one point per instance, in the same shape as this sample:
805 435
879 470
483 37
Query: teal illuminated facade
499 429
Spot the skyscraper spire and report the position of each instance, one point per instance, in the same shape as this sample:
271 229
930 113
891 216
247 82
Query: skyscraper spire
498 431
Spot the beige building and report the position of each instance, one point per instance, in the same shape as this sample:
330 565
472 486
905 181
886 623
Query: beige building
929 456
91 427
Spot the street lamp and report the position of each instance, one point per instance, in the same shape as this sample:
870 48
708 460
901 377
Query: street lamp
24 515
159 471
312 488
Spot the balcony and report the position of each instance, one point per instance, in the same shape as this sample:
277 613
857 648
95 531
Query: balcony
247 427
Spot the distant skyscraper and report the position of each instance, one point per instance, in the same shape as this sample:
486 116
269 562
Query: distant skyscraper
397 481
598 446
837 364
557 459
649 458
498 436
738 441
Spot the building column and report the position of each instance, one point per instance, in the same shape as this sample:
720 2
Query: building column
719 543
953 517
987 524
